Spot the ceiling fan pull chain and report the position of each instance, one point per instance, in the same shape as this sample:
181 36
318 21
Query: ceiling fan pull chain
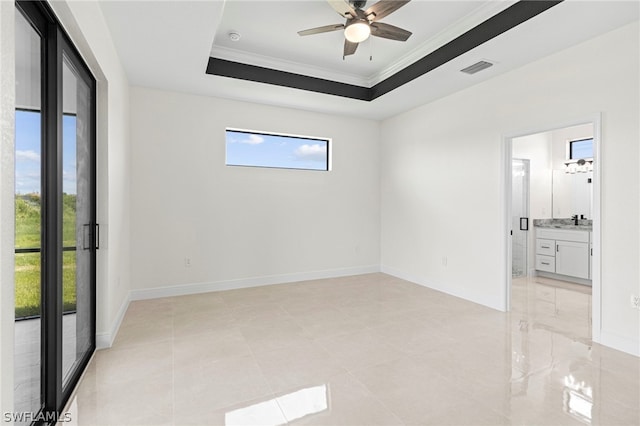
370 49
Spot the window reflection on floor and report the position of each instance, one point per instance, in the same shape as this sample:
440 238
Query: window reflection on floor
578 399
296 405
562 310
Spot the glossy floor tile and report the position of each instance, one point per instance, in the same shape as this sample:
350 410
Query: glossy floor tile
362 350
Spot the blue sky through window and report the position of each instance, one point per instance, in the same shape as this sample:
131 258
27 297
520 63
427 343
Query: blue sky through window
581 149
28 152
287 152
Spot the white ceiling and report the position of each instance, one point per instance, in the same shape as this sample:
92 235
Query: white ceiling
167 44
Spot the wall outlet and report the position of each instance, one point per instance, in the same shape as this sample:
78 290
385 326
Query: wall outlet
635 301
187 262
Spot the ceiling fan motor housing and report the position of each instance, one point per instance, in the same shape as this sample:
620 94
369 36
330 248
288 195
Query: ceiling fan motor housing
360 24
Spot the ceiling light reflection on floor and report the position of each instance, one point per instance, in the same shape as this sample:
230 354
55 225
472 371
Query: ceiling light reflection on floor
578 399
304 402
295 405
265 413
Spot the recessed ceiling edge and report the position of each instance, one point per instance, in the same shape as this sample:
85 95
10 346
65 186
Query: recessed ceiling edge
509 18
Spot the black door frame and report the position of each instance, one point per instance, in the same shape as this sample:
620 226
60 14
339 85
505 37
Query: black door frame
56 43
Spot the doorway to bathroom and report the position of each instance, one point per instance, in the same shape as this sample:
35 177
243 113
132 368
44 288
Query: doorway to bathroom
550 189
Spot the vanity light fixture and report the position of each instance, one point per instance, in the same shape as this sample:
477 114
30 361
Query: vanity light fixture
578 166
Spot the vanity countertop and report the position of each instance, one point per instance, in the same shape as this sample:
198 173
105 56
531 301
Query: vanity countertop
583 224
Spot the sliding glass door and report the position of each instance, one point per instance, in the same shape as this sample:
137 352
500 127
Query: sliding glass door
78 218
56 230
28 202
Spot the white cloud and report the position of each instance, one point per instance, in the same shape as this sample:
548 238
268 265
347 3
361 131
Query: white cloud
29 155
252 140
315 152
27 183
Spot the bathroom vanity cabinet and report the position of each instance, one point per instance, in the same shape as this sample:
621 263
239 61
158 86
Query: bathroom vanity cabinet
564 252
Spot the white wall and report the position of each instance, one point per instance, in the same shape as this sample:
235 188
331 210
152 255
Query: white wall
238 225
442 175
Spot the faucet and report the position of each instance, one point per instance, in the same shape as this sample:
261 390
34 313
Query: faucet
575 219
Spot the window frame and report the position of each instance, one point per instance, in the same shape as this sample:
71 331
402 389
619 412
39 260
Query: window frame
55 389
327 140
570 143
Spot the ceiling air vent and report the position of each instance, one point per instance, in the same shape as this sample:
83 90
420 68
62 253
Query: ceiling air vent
477 67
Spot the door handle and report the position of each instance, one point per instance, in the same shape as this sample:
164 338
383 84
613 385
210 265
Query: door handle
86 236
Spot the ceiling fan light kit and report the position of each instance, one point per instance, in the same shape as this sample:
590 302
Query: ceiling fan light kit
363 23
357 31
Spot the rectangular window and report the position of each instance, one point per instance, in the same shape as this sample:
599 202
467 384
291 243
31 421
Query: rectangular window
581 149
260 149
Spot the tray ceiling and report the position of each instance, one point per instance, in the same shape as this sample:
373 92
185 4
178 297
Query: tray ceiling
168 44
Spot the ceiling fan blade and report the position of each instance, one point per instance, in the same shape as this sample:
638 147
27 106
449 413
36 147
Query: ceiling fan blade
384 8
391 32
343 8
324 29
349 48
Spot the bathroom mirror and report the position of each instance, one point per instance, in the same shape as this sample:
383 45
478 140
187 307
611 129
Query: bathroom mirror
572 193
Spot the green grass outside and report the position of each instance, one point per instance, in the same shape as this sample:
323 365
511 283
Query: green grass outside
27 265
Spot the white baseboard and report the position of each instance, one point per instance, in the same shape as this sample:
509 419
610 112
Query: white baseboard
438 287
609 339
620 343
185 289
105 340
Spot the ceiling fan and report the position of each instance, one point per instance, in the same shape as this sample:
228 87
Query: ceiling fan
361 24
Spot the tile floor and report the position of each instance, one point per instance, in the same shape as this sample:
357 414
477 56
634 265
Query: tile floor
27 358
362 350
